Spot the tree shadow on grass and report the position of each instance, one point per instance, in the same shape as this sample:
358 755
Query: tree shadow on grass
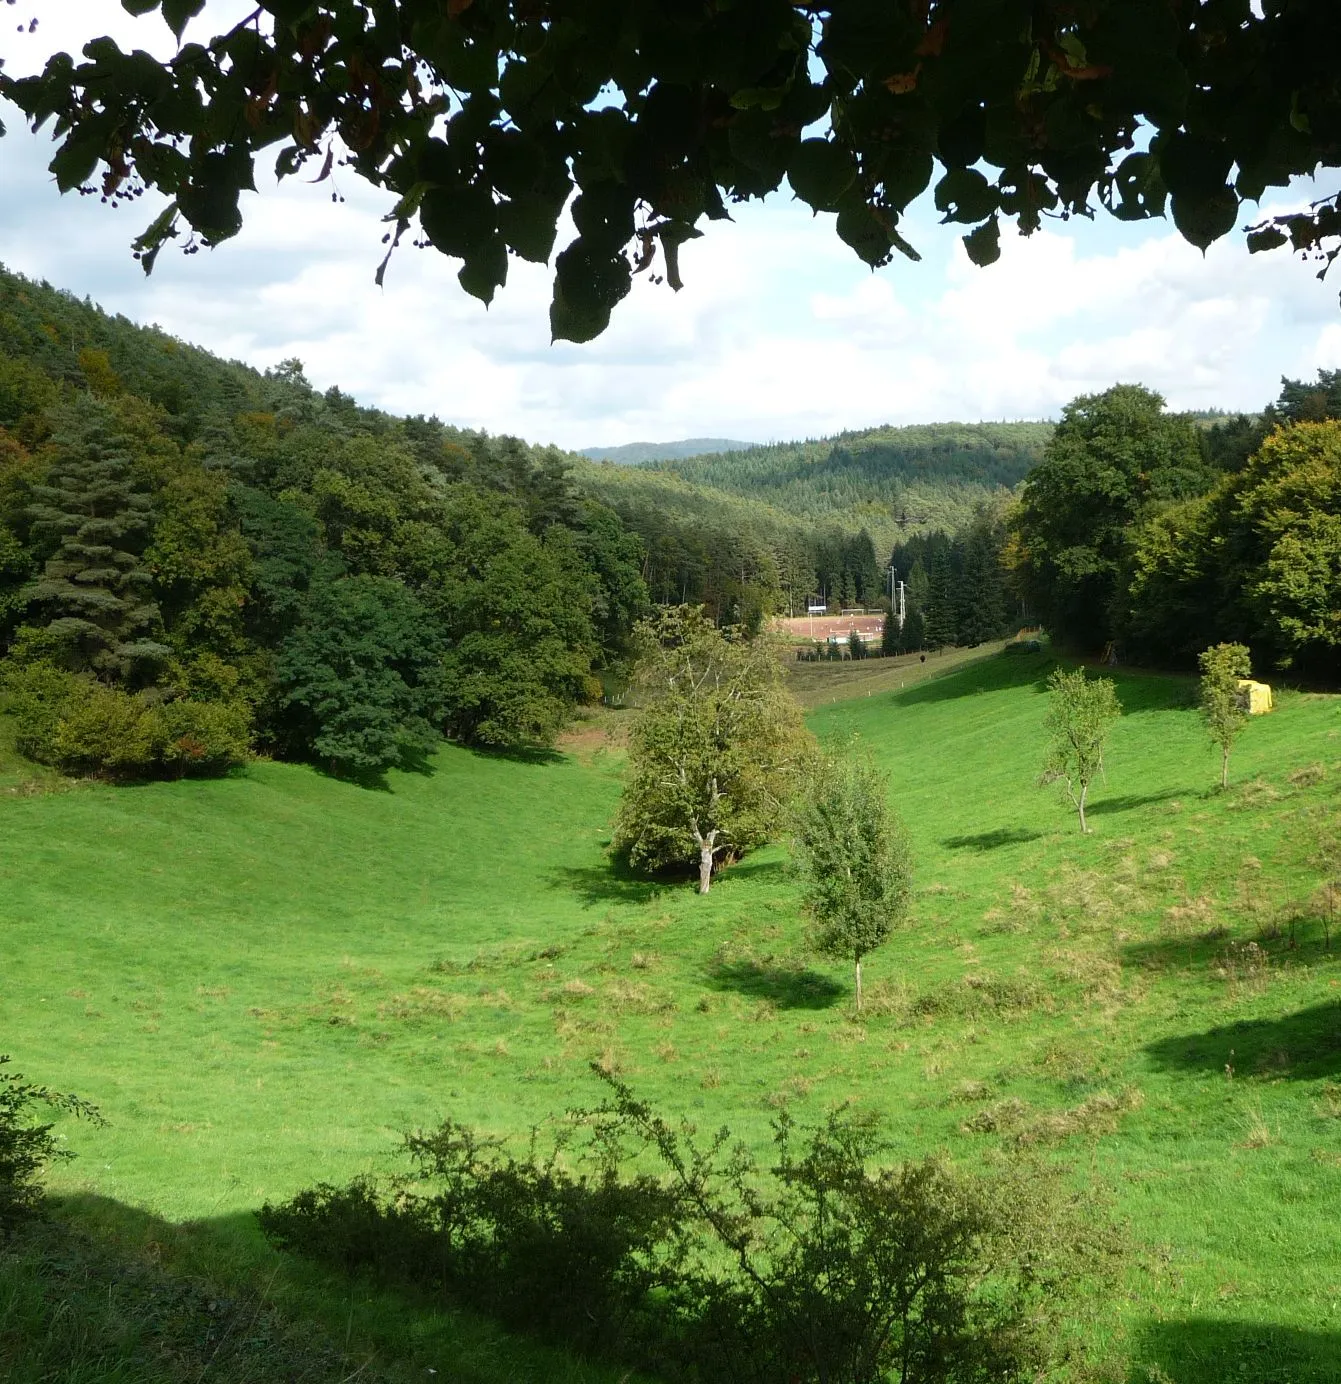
1303 1046
112 1291
787 987
992 674
1128 802
992 840
1201 1350
752 869
612 883
522 754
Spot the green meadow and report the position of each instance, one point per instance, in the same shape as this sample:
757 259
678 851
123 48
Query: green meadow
262 981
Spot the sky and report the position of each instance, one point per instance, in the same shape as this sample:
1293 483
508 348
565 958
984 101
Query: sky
780 332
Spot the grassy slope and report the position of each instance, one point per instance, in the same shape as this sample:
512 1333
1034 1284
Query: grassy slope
263 980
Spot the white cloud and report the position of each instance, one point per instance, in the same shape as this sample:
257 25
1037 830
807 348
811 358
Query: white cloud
780 332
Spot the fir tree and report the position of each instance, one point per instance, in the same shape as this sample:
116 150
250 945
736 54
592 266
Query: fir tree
95 592
982 606
942 608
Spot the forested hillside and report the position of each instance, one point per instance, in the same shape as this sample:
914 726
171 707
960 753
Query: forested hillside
654 452
196 558
892 482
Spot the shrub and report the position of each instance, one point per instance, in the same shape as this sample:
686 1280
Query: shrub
84 727
828 1266
200 737
27 1148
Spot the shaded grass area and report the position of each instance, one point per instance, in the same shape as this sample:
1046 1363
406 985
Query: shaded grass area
97 1292
263 980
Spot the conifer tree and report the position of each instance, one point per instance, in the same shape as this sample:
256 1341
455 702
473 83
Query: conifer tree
94 595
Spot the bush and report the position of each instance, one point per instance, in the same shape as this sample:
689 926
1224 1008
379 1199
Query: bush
82 726
26 1149
200 737
827 1267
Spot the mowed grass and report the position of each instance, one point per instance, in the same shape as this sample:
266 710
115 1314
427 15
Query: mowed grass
262 981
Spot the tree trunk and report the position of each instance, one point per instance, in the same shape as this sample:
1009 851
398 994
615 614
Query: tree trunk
704 867
1224 767
1080 807
859 985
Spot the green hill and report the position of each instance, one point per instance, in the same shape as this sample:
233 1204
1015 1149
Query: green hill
893 482
632 452
262 980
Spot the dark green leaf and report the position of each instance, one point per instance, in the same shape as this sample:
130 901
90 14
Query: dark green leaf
486 270
866 230
75 161
820 171
1203 220
965 195
178 12
528 224
1268 238
1192 167
984 243
139 7
458 220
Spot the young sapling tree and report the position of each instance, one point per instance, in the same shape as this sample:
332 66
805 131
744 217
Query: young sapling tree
855 860
1223 706
1081 712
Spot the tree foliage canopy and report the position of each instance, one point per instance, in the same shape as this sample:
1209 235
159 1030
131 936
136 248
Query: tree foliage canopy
483 118
855 859
1116 457
717 750
1081 712
193 555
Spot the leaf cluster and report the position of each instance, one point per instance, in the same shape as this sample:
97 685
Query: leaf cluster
486 119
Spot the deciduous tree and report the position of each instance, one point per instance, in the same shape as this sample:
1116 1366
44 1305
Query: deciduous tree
1222 702
855 860
1115 458
716 752
483 119
1081 712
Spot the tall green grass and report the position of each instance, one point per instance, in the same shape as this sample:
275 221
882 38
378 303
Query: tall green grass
263 980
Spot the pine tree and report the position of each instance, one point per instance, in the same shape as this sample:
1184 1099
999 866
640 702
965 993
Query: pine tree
95 593
942 607
918 596
982 606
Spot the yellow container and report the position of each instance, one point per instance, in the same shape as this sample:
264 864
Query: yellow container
1257 696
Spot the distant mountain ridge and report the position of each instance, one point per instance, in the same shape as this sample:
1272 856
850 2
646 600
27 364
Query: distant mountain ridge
633 453
890 481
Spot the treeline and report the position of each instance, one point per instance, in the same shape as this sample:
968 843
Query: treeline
956 589
1141 529
893 482
197 559
740 559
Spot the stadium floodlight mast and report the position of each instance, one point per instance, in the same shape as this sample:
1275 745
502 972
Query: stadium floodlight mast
898 597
